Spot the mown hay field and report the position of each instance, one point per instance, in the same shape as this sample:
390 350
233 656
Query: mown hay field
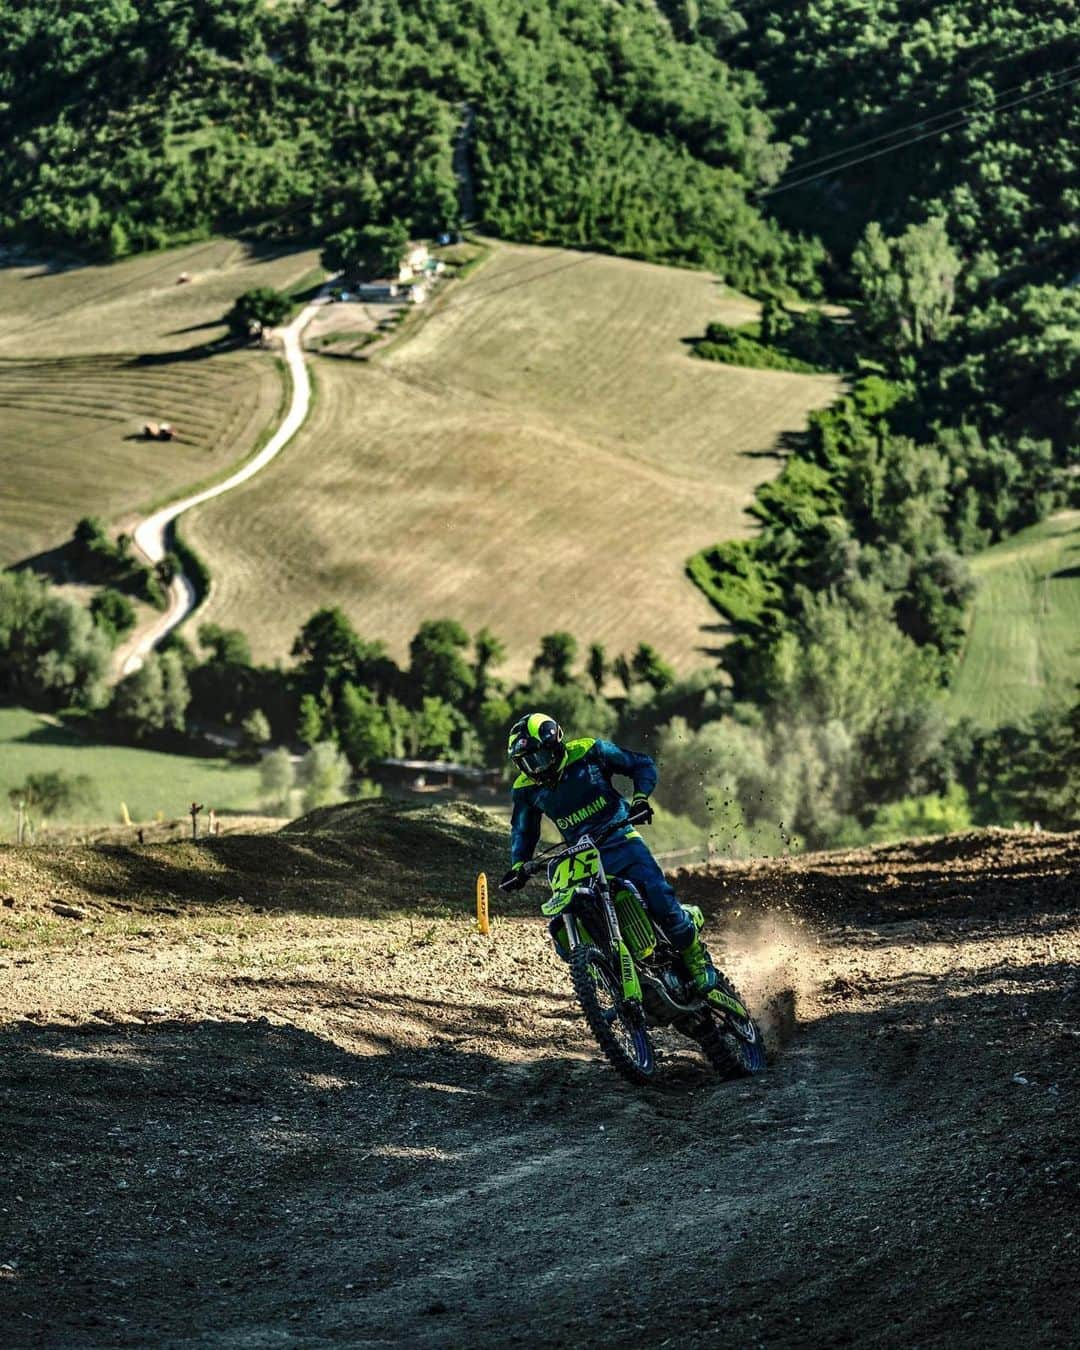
70 442
1023 647
87 355
139 305
147 781
539 452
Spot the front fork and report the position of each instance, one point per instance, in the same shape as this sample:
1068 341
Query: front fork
629 981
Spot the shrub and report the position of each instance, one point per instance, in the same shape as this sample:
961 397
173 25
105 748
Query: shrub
323 774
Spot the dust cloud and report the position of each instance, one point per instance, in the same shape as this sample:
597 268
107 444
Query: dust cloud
775 962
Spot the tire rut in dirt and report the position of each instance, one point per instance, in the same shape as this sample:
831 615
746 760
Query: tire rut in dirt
583 960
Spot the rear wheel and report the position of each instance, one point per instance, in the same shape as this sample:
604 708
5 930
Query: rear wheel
732 1045
620 1031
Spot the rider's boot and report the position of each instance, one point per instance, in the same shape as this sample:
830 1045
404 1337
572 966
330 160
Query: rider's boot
699 965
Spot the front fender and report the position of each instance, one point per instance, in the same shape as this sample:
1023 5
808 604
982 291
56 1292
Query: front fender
556 902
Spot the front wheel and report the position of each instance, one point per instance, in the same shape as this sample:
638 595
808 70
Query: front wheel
621 1035
732 1045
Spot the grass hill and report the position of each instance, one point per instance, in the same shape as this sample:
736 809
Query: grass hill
87 354
1022 652
543 453
146 780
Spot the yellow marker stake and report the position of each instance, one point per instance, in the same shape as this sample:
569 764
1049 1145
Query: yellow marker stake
482 903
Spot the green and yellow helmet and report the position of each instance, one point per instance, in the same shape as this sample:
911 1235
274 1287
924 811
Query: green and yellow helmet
536 747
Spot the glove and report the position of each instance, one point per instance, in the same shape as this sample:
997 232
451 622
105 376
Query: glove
514 879
641 809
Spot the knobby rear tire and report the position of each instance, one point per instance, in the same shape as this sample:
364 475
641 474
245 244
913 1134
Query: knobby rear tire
640 1070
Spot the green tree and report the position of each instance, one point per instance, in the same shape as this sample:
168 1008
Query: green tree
310 726
113 613
119 245
1016 369
227 646
153 698
908 285
596 666
256 310
364 729
556 657
367 250
489 651
333 654
936 813
849 663
649 667
43 795
492 724
168 569
620 668
437 662
254 732
51 652
437 729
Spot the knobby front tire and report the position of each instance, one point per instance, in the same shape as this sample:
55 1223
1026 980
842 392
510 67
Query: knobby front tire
627 1047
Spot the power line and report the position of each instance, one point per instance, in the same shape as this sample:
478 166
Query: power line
914 140
936 117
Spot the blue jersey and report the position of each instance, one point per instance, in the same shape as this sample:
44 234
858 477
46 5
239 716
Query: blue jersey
582 799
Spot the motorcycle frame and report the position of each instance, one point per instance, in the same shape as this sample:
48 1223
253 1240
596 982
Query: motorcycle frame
601 887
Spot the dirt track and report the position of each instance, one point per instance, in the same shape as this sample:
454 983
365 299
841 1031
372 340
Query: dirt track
151 534
231 1128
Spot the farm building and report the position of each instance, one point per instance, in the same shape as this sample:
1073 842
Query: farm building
414 261
377 290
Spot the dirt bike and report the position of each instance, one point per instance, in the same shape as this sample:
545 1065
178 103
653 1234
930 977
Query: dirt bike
627 976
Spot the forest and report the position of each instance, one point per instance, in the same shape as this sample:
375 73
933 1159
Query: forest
586 123
914 164
935 157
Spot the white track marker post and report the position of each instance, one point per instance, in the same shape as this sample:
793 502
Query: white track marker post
482 922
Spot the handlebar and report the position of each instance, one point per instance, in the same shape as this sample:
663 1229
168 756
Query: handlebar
544 861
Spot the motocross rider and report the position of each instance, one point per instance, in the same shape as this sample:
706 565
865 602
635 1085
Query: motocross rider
570 782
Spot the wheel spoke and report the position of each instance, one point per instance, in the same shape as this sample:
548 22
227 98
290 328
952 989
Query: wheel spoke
626 1044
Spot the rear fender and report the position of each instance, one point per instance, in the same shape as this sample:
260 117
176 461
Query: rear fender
732 1004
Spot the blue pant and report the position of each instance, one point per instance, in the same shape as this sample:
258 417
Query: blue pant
630 858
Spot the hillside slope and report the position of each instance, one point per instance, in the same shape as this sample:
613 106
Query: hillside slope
588 123
543 453
88 354
317 1121
1022 651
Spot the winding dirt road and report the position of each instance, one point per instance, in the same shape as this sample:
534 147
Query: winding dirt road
150 536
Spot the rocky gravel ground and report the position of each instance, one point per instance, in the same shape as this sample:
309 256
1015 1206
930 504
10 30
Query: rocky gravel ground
322 1122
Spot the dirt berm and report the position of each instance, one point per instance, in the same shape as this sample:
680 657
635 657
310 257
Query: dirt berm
273 1091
